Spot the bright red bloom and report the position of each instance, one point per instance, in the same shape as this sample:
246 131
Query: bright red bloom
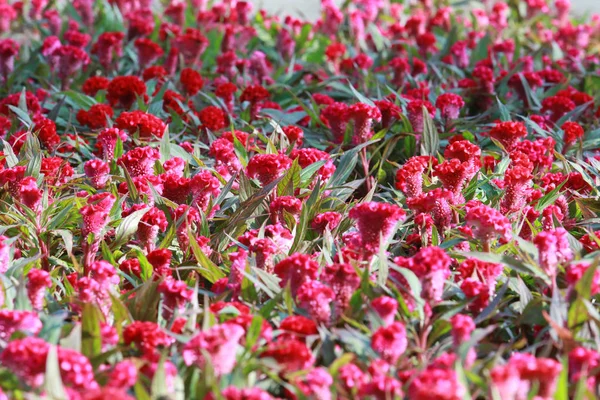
96 117
191 45
191 81
140 161
572 131
144 124
363 117
148 52
487 223
508 134
327 220
336 116
449 105
125 90
94 84
213 118
295 270
292 355
108 46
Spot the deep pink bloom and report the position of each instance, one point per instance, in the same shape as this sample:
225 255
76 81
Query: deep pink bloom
316 298
386 308
508 134
175 295
38 281
97 170
140 161
487 223
12 321
220 343
390 342
435 383
554 249
268 167
363 116
375 223
295 270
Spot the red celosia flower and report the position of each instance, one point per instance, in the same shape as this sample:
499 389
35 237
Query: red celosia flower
94 84
141 23
557 106
160 259
282 205
375 223
327 220
219 343
108 46
292 355
145 124
57 170
574 273
390 342
76 38
390 112
344 281
508 134
432 266
295 270
213 118
294 134
125 90
157 72
70 60
149 336
191 45
524 370
107 140
415 113
363 117
32 102
191 81
148 52
8 50
95 214
140 161
336 116
308 156
46 131
297 327
267 167
172 102
27 359
226 91
449 105
153 222
29 193
96 117
572 131
409 178
97 170
254 94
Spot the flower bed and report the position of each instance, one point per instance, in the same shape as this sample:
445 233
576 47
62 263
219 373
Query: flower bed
206 202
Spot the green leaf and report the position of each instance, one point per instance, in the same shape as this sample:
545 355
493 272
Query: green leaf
91 337
9 154
127 227
431 139
208 269
290 181
360 97
53 386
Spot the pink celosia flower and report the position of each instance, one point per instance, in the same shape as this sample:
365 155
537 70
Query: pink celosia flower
336 116
124 375
554 249
148 336
409 178
316 298
415 113
8 50
435 383
386 308
508 134
97 170
363 117
175 294
390 342
295 270
220 343
268 167
146 125
328 220
37 282
432 267
107 140
487 223
375 223
140 161
12 321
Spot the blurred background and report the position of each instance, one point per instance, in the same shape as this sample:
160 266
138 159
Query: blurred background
310 8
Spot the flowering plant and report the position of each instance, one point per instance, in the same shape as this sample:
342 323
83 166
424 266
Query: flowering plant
204 201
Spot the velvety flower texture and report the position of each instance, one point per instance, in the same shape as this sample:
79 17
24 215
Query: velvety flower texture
375 223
